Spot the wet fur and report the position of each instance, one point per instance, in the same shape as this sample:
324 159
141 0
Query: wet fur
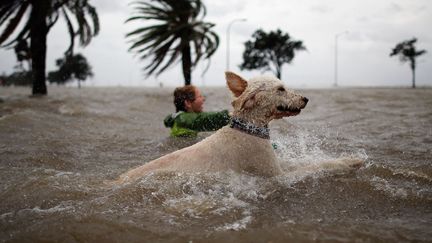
257 101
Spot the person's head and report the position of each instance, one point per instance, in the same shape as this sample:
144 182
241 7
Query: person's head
188 98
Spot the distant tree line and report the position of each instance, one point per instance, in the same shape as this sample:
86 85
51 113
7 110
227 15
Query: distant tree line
17 78
173 31
70 68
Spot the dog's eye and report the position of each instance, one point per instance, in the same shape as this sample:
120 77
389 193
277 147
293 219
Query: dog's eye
282 89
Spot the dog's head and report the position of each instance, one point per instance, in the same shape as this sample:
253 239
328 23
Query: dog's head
263 98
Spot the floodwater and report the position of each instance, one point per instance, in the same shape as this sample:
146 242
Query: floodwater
56 153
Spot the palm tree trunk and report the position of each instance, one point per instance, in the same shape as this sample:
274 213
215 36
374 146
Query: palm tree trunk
278 71
413 78
38 36
187 64
413 67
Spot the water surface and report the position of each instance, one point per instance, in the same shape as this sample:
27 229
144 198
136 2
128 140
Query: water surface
56 152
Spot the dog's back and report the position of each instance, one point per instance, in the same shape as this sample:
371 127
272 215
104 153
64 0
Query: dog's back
227 149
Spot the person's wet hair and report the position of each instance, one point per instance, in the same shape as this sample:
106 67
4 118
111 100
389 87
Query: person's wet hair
181 94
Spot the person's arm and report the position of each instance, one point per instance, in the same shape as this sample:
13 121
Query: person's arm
204 121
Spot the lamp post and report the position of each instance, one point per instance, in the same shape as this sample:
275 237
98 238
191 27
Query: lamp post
336 57
228 41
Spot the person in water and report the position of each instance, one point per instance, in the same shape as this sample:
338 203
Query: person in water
189 118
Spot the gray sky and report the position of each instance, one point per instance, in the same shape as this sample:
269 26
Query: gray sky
374 27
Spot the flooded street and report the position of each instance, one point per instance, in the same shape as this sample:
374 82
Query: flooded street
57 152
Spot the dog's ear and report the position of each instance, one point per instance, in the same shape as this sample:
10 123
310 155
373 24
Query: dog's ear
235 83
250 101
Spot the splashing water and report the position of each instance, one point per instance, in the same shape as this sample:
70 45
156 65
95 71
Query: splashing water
56 152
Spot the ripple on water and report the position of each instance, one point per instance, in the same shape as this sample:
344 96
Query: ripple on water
55 152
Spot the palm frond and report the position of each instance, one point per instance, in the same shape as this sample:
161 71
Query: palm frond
23 35
159 56
162 53
155 35
7 8
95 19
84 30
175 54
71 31
419 53
145 29
14 10
13 23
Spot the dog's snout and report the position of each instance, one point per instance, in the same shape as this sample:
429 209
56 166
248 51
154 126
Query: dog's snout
305 100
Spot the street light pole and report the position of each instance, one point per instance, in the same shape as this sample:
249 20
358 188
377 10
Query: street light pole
228 41
336 58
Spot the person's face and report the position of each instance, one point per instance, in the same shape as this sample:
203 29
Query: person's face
197 104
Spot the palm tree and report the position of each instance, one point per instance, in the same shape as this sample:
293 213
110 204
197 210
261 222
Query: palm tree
179 30
408 52
39 17
269 51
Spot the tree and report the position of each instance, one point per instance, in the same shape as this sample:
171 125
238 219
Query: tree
71 67
22 52
269 51
407 51
19 77
179 31
42 15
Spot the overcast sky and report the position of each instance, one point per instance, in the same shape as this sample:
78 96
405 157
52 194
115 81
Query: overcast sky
374 27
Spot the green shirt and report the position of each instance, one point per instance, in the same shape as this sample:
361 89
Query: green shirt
188 124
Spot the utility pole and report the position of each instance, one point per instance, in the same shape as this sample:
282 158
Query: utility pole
336 58
228 42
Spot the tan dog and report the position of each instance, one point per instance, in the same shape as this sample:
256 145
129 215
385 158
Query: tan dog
242 146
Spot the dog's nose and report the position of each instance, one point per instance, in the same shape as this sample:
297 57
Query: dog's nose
305 100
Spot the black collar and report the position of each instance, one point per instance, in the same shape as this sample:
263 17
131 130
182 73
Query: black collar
249 128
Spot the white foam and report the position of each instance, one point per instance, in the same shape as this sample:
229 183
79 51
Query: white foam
56 209
381 184
4 117
301 155
237 225
62 173
70 109
5 215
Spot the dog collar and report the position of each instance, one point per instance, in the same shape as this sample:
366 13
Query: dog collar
249 128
